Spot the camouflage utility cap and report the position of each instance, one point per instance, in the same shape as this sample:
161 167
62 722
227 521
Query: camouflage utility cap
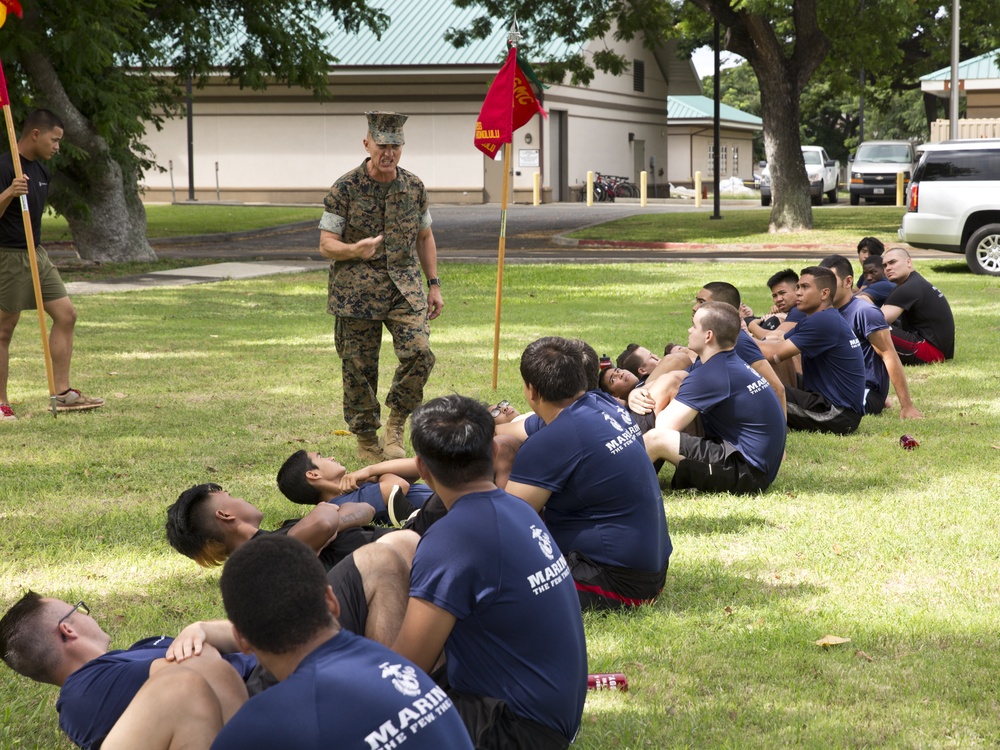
386 128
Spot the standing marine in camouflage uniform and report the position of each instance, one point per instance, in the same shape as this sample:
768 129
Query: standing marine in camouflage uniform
377 232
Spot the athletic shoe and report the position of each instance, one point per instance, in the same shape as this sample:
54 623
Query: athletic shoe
398 506
6 412
73 400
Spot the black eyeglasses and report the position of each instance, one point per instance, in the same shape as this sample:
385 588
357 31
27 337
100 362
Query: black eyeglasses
496 410
78 606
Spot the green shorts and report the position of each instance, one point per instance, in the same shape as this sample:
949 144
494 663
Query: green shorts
16 290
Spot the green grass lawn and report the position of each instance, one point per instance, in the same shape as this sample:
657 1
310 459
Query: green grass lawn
831 225
857 538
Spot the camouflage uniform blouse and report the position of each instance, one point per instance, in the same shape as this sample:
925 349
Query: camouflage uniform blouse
358 207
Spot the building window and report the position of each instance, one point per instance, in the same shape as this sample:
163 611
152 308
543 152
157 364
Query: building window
638 75
723 153
736 160
711 160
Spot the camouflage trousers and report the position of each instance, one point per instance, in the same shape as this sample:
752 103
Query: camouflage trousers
359 342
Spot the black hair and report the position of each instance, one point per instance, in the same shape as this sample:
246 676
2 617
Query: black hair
629 360
192 531
43 120
840 265
591 364
788 276
723 291
873 260
873 245
825 278
554 366
453 436
25 642
292 479
274 591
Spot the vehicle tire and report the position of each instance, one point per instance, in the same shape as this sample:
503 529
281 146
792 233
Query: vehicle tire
855 199
982 251
832 195
765 200
817 200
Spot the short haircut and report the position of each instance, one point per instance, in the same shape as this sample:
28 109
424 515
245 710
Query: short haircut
873 260
26 641
191 529
825 278
629 360
292 479
788 276
554 367
274 591
42 119
839 265
723 291
723 320
903 250
873 245
591 364
453 436
602 379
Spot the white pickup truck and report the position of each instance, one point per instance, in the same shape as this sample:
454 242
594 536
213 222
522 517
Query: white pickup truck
823 173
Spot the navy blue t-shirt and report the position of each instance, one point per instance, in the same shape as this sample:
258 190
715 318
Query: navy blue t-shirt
94 697
518 636
606 500
349 692
832 364
371 493
738 406
864 318
747 348
879 291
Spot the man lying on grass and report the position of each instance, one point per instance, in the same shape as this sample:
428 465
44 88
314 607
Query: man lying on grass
123 699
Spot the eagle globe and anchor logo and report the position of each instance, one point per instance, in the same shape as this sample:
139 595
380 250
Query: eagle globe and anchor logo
544 541
404 679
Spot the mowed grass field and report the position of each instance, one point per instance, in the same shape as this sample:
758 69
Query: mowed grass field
896 550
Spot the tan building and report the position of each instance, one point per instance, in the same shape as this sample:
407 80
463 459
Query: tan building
691 123
282 145
979 83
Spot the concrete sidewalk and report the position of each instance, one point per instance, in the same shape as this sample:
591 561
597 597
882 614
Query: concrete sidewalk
195 275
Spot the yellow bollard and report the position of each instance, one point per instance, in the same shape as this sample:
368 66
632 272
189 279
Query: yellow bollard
642 188
900 195
697 189
590 188
536 196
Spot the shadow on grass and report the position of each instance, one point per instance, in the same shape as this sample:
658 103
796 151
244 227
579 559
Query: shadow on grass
706 525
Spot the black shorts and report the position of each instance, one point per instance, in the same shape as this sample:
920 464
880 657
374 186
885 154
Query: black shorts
432 510
874 402
493 726
711 465
608 587
811 411
345 579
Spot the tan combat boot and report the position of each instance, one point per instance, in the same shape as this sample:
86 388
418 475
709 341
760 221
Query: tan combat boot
368 448
392 438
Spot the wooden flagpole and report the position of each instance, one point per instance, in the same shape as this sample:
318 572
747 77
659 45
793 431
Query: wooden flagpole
500 261
30 239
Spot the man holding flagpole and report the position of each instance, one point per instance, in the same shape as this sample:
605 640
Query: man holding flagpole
39 141
377 231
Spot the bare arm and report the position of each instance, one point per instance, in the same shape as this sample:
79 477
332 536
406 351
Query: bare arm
676 416
17 188
891 313
401 467
331 246
427 252
534 496
763 367
320 525
778 351
881 342
192 639
425 630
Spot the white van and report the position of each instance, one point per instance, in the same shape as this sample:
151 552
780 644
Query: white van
874 169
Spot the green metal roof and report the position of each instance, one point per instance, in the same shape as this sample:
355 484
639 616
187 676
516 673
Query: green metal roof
701 108
415 37
982 67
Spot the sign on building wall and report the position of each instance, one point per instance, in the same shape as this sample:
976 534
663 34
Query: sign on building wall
527 157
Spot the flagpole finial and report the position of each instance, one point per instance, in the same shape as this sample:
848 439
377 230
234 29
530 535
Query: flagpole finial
514 35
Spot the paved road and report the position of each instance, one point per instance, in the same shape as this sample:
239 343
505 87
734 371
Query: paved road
470 233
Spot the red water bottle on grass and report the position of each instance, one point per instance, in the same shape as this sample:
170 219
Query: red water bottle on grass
609 681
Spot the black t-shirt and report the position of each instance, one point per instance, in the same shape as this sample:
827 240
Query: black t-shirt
11 223
925 312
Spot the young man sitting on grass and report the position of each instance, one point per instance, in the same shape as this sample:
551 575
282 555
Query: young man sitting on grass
491 590
743 422
308 478
334 689
135 698
207 524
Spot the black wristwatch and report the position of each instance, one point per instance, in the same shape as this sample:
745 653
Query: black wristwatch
433 282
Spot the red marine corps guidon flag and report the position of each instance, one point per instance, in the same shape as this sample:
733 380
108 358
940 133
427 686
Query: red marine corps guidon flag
509 104
9 6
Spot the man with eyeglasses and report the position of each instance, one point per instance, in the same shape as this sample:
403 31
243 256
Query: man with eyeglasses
123 698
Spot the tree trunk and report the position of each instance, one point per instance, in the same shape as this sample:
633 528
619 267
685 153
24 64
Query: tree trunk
791 209
116 228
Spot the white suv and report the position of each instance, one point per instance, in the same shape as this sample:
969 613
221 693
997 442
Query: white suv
954 202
